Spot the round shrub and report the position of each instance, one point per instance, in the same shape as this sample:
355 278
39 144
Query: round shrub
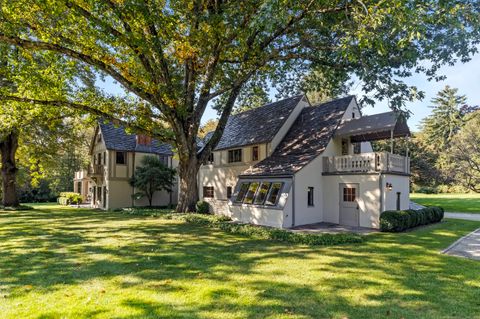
202 207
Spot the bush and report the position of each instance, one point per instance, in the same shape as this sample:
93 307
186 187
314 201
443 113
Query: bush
400 220
68 198
202 207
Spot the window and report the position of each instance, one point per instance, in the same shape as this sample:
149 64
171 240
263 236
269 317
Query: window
262 193
163 159
255 153
121 158
207 191
357 148
210 158
398 200
310 196
235 155
99 159
104 158
273 195
252 190
349 194
242 192
229 191
344 147
353 115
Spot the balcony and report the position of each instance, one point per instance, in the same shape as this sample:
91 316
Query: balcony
95 170
367 163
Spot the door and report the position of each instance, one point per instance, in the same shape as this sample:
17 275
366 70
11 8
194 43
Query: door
349 210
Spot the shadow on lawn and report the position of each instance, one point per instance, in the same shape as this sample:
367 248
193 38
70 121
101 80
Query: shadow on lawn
50 249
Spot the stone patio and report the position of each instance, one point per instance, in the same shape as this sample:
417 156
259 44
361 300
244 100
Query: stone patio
331 229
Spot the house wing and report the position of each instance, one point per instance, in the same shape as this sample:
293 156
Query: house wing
307 138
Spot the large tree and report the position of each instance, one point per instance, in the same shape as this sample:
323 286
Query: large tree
174 57
465 153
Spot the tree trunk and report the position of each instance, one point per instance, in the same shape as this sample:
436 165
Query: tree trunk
8 149
187 174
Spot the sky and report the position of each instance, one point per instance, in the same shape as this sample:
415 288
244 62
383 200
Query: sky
465 77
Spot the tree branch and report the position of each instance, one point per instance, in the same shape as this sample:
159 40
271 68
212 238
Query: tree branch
87 109
39 45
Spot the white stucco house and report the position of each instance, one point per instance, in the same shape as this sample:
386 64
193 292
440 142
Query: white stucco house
285 164
290 163
114 156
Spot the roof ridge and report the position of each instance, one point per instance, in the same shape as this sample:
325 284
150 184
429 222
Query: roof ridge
268 104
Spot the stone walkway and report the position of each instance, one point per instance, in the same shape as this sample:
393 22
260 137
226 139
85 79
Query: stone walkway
468 246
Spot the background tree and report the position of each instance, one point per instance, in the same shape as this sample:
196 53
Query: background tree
151 177
174 57
209 126
465 153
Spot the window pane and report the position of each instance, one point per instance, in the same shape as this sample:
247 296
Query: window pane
208 191
262 193
229 191
273 196
255 153
120 158
242 192
310 196
251 192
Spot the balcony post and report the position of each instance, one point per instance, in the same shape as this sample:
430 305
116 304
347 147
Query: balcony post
391 141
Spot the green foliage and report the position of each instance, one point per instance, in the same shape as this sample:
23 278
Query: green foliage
152 176
202 207
465 154
174 58
69 198
401 220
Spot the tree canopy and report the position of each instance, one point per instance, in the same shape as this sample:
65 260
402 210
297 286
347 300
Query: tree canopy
175 57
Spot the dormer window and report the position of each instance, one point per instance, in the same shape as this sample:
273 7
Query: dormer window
353 115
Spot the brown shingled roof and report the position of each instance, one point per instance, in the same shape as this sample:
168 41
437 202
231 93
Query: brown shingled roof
307 138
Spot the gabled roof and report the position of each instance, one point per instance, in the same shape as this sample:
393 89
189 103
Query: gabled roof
117 139
257 126
307 138
374 127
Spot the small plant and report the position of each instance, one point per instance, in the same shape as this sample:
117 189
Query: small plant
68 198
202 207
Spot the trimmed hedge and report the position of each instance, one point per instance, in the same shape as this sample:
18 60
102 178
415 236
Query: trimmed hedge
67 198
400 220
259 232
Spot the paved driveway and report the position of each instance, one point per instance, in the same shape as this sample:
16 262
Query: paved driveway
466 216
468 246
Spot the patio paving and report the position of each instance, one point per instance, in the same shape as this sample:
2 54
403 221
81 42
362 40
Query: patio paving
332 229
468 246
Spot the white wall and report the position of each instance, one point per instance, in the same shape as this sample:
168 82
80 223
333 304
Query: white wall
399 184
368 199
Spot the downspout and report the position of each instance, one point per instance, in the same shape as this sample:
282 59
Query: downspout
293 200
380 184
133 175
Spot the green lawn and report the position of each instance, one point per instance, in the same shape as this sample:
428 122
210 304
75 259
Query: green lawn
68 263
467 203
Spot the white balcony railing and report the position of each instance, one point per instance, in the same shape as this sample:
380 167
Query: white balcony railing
367 162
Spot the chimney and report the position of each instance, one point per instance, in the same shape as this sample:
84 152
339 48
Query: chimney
144 140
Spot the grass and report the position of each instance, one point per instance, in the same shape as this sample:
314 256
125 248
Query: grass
58 262
466 203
